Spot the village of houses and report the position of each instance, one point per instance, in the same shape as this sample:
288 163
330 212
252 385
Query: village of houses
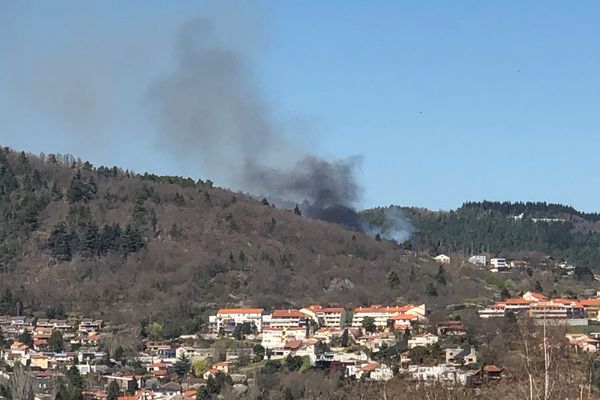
314 334
350 342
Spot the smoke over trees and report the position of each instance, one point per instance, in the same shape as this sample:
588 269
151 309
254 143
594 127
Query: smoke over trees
210 109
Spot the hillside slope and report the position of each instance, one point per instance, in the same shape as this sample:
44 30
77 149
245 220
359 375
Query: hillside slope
504 229
127 247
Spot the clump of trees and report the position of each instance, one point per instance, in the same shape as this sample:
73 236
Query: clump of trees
64 241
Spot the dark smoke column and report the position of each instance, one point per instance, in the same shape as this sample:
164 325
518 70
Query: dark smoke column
210 111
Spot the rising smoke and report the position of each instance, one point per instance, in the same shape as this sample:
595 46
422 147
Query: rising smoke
210 108
396 226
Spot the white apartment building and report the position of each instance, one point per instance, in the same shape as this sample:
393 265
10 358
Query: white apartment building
276 337
478 260
328 317
289 318
499 264
228 318
381 314
426 339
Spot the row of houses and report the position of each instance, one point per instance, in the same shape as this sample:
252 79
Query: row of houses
226 319
572 311
83 332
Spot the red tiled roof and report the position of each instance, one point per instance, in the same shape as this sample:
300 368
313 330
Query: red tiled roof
240 311
287 313
536 295
404 317
378 308
590 302
315 308
293 344
517 301
562 300
492 368
372 366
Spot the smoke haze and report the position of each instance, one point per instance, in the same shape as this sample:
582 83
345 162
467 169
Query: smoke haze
210 109
396 226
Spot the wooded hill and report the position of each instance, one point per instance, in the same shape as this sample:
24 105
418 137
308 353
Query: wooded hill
505 228
98 241
130 248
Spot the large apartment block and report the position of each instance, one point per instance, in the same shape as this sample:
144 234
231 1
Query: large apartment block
227 318
328 317
382 314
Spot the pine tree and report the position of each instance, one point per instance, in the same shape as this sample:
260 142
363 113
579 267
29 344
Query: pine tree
56 193
90 243
431 290
393 279
61 242
56 342
441 276
26 338
182 366
345 339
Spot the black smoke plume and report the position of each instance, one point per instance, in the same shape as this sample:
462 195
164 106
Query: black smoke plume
210 108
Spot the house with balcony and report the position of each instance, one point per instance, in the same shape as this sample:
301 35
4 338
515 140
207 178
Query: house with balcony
328 317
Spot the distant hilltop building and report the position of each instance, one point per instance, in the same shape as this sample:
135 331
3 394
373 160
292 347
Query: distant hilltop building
478 260
498 264
442 259
521 216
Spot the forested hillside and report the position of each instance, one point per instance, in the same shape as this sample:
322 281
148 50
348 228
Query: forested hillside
129 247
500 228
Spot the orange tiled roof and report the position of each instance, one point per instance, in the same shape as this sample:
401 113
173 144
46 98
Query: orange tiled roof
590 302
287 313
293 344
378 308
404 317
492 368
372 366
315 308
536 295
240 311
516 301
562 300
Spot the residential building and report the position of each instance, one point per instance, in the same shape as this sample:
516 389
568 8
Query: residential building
583 342
491 372
538 306
499 264
382 314
227 318
451 328
329 317
274 337
425 339
480 260
442 259
403 321
461 356
442 374
371 371
518 263
534 296
289 318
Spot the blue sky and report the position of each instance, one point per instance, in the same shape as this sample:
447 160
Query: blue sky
446 101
